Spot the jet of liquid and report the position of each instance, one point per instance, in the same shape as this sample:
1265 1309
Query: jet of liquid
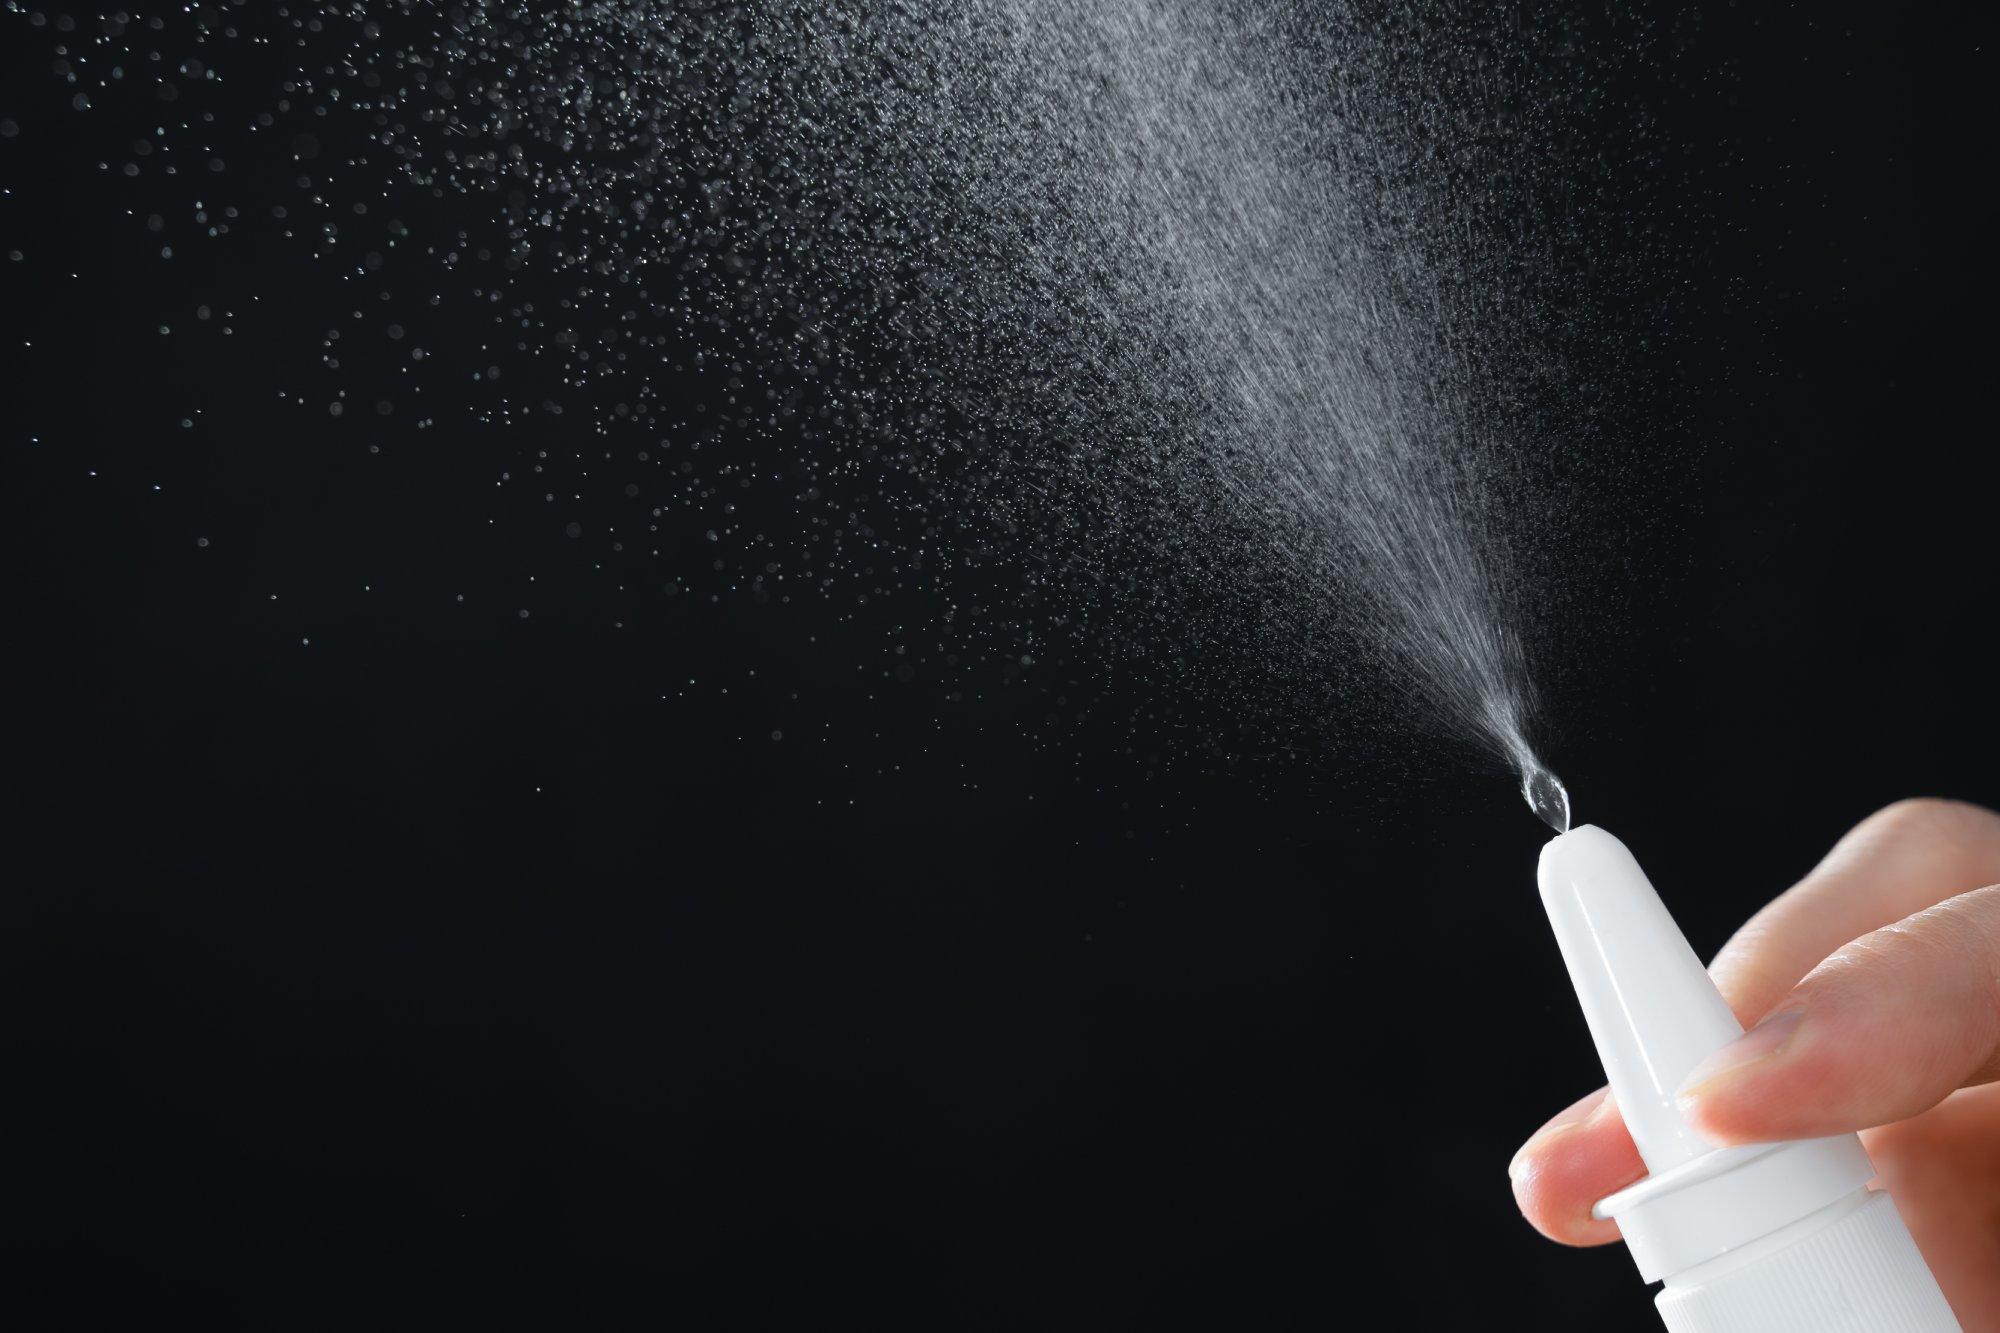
1546 796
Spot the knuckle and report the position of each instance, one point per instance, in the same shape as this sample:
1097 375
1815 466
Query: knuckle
1956 840
1930 815
1967 923
1934 817
1926 944
1954 945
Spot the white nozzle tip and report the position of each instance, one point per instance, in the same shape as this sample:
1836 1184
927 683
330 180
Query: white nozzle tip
1652 1010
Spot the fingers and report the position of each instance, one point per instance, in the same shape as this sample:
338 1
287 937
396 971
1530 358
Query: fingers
1884 1029
1580 1156
1898 861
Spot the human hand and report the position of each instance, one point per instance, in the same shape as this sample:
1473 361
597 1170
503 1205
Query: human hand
1874 989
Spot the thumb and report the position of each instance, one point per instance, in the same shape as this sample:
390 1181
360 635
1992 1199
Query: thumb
1885 1028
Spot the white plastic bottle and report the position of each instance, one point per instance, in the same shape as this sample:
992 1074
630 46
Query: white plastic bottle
1768 1238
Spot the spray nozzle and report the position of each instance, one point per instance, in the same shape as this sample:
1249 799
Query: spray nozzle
1652 1009
1777 1237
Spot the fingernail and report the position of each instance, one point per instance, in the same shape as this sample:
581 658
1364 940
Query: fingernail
1767 1039
1574 1114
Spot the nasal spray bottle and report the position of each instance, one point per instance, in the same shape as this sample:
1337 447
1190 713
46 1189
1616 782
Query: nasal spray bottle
1763 1238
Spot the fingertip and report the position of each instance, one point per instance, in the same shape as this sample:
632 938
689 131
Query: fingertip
1882 1030
1728 1098
1727 1120
1571 1163
1759 1106
1808 1093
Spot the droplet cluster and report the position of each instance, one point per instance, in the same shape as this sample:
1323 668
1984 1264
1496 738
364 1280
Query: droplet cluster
1233 349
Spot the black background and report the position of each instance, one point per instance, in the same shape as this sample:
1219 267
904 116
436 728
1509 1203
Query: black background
442 969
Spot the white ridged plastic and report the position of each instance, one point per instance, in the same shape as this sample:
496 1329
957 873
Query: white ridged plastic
1769 1238
1860 1273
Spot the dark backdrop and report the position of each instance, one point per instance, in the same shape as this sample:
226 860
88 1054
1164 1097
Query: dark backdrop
369 960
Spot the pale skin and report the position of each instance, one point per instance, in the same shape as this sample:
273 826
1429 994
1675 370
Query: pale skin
1871 995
